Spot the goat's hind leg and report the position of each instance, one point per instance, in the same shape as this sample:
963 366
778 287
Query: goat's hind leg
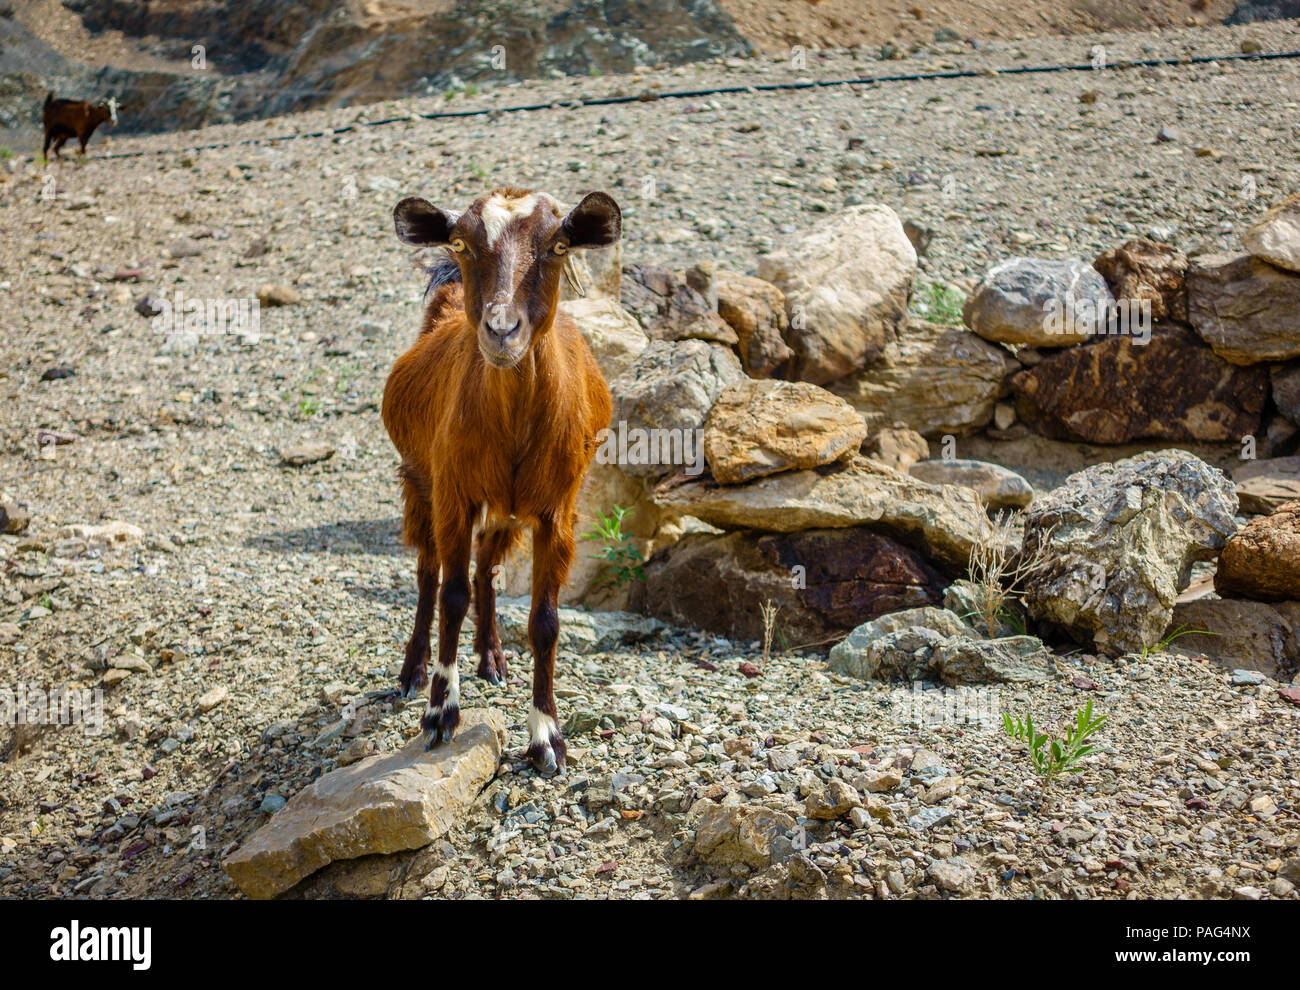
417 531
493 546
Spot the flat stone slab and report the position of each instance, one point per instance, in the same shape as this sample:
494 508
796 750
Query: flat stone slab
383 804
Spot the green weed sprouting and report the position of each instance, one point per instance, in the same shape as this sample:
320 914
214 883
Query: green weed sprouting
1053 757
624 563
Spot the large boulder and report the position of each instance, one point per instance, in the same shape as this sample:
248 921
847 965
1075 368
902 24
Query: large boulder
1244 308
660 402
1115 544
383 804
823 581
846 285
1262 561
1146 271
942 523
935 379
997 487
1120 389
615 339
1038 303
760 427
756 311
1275 237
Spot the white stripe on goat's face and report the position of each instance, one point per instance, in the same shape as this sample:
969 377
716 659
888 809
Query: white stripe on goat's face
499 211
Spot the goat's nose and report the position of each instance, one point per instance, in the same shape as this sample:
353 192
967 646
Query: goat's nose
502 321
501 332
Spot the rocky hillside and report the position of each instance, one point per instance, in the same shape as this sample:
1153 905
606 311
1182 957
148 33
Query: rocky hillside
186 63
921 491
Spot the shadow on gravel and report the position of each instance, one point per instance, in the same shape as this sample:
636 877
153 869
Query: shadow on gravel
350 536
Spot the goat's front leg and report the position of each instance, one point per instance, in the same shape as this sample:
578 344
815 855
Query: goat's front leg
443 714
492 548
552 555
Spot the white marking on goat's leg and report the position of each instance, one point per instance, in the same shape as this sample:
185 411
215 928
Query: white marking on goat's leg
443 712
545 743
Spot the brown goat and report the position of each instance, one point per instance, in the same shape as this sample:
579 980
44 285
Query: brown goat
495 411
73 118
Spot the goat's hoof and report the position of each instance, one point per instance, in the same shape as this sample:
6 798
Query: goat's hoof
547 758
439 725
414 683
492 666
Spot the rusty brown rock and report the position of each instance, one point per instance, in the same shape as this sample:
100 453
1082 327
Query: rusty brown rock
1117 390
1262 560
1142 270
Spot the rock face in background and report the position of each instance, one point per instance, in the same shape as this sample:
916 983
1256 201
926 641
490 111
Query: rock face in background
1014 301
1118 541
756 311
1118 389
846 285
1265 485
847 576
896 447
997 487
281 57
1142 270
615 339
941 523
401 800
1244 308
935 379
1275 237
1262 561
672 386
758 428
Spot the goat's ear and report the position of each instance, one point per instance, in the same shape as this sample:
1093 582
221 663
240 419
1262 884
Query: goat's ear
420 222
595 222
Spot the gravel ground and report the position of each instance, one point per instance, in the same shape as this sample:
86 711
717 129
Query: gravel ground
269 594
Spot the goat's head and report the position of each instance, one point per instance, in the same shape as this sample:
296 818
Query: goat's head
101 112
511 246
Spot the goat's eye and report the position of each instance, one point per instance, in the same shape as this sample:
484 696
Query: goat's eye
560 248
457 245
